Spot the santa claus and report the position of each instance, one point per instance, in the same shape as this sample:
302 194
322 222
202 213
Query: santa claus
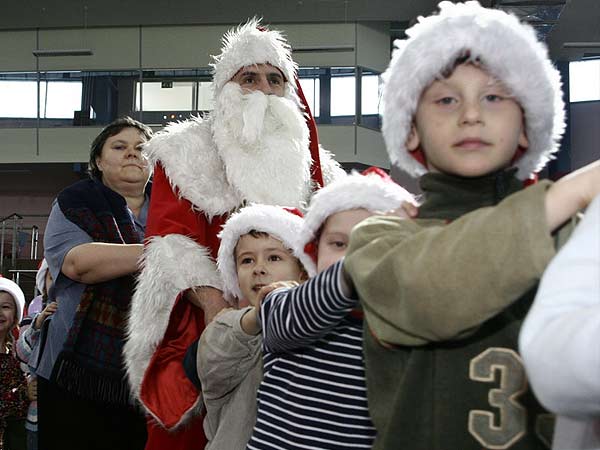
258 145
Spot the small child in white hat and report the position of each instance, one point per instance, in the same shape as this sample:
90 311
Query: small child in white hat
256 250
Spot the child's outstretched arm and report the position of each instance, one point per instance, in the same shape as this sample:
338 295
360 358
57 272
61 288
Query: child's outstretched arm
295 318
420 284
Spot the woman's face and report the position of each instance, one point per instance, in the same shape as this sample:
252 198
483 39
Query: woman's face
121 161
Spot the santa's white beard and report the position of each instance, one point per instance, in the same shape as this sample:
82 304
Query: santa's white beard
263 141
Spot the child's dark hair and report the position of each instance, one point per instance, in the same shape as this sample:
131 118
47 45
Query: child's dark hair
110 130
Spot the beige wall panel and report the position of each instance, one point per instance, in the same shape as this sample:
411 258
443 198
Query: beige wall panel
321 35
18 145
180 47
338 140
16 51
114 48
66 144
56 144
371 148
373 45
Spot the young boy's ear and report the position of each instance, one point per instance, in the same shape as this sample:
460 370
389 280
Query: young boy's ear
523 141
413 141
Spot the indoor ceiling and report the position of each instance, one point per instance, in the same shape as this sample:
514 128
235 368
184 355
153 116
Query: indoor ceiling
571 22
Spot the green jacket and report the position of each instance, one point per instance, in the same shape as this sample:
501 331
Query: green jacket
449 292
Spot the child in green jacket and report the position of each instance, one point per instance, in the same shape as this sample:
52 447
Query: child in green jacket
472 106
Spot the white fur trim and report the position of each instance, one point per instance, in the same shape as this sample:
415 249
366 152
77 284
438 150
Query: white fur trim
15 291
170 265
508 49
330 168
354 191
273 220
190 159
246 45
265 148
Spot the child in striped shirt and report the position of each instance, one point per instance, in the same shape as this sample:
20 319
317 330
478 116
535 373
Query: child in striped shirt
313 393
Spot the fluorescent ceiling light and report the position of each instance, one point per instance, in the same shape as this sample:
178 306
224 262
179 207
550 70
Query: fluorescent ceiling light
63 52
323 48
581 45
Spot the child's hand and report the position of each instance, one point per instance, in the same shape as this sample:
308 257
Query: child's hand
271 287
408 210
50 309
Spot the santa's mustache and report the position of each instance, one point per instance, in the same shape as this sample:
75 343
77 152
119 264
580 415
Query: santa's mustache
252 115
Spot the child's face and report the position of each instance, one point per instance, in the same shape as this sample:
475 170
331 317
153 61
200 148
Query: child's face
468 124
8 312
334 238
263 260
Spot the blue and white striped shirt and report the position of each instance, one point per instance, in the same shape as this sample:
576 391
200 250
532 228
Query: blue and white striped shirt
313 395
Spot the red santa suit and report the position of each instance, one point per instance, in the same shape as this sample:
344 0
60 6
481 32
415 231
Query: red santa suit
198 182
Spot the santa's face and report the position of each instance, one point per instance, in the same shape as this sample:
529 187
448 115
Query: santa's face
263 142
261 77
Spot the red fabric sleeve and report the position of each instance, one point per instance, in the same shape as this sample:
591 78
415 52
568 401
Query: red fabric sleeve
166 391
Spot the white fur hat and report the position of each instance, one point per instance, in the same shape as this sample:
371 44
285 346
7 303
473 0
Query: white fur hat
506 48
13 289
250 44
280 223
373 189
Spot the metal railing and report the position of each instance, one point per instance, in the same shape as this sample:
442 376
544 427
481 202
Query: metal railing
16 277
13 225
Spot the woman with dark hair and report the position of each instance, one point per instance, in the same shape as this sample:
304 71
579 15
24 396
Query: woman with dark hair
92 243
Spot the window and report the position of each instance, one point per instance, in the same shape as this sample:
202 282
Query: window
58 99
311 88
370 94
584 80
343 95
178 96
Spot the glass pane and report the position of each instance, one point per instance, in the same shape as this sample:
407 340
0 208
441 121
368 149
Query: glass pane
370 94
18 99
343 96
584 80
158 98
61 99
310 87
205 96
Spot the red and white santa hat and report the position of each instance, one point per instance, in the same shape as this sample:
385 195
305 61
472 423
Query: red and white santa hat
249 44
15 291
280 223
508 49
252 43
373 190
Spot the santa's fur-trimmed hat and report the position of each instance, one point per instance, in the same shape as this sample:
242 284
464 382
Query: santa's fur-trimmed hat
15 291
508 49
373 190
250 44
280 223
